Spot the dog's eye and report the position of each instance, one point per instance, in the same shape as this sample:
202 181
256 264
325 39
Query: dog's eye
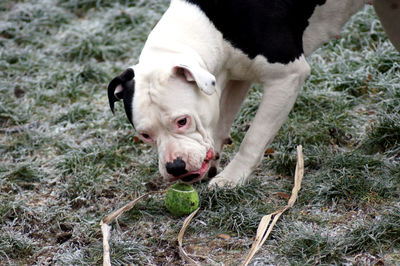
145 136
182 122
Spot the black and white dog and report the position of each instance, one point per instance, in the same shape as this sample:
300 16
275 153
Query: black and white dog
199 62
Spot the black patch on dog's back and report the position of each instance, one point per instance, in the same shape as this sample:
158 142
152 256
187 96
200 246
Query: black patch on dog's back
272 28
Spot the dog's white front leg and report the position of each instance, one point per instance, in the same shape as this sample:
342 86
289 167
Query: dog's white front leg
281 86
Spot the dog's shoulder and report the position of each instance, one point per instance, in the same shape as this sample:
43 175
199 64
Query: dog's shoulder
272 28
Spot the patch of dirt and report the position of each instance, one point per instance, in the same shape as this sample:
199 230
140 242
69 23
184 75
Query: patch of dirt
217 249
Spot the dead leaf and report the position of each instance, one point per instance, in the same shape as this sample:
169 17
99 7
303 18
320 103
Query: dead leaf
269 151
282 195
224 236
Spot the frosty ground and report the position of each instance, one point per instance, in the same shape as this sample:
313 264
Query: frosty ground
65 161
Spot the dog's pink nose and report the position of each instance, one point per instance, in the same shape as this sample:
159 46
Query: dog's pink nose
177 167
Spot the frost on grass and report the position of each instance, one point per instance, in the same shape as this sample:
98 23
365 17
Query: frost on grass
66 161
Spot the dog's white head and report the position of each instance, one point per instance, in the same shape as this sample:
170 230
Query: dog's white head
173 107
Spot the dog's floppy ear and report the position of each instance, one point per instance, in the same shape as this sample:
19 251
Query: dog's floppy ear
123 87
193 73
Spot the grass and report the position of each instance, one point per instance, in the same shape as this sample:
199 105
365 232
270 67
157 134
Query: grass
66 161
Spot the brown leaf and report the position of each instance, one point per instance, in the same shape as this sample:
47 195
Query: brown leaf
224 236
269 151
282 195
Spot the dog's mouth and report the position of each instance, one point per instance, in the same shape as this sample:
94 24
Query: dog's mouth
193 176
190 178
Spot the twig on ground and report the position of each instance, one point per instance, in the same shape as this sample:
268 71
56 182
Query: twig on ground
265 227
182 251
106 228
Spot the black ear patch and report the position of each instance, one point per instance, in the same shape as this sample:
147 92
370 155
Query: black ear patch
128 90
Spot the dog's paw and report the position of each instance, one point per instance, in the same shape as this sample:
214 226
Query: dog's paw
222 182
226 181
235 174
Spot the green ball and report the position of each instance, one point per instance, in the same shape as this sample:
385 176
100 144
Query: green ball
181 199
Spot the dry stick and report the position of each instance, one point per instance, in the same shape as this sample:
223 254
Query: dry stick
106 228
182 251
265 227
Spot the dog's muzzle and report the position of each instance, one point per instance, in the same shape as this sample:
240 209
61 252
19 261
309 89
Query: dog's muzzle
177 169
